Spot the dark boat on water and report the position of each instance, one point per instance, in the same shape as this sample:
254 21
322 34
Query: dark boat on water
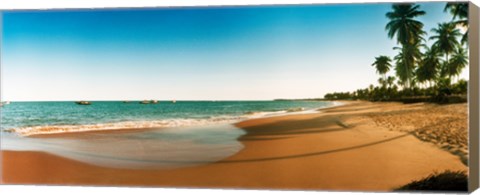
83 103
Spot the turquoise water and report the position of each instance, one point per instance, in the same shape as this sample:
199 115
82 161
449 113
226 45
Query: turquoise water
193 132
40 117
164 148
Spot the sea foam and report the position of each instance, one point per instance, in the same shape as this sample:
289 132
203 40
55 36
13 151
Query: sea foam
161 123
53 129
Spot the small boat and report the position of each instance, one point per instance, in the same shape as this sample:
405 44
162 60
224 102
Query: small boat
145 102
149 102
174 101
83 103
4 103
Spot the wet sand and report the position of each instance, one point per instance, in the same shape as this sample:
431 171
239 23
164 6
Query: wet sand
341 148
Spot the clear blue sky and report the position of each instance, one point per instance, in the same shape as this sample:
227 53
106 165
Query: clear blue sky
216 53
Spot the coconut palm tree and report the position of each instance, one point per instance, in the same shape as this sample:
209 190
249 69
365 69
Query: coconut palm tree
382 64
401 70
390 81
408 33
459 10
406 61
446 41
402 23
421 74
391 89
458 62
382 82
429 66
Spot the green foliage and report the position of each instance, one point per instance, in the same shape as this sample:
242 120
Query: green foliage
445 36
382 64
406 61
408 32
458 62
429 66
339 96
461 87
419 76
402 23
446 42
440 93
459 11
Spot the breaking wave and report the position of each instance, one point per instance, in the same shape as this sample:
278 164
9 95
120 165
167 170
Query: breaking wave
164 123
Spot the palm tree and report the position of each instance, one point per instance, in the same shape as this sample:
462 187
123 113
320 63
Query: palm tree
391 84
382 82
390 81
400 82
458 62
446 41
382 64
408 33
459 10
429 65
421 74
406 61
370 91
402 23
401 71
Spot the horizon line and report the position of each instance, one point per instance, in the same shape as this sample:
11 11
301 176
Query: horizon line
161 100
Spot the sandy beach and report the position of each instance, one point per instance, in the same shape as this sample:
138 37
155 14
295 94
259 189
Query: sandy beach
356 146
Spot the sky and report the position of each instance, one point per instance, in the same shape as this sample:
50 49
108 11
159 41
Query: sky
196 53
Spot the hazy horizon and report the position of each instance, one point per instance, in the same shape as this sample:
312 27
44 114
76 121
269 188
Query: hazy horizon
242 53
159 100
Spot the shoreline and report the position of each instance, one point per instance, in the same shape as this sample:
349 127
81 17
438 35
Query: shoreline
329 150
41 131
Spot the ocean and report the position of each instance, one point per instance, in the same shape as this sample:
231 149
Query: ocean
51 117
189 133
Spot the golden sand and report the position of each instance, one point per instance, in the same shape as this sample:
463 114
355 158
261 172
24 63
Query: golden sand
357 146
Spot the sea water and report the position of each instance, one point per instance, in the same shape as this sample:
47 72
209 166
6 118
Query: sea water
154 149
186 133
51 117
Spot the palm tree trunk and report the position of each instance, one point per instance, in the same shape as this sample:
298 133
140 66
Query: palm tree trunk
384 80
448 68
406 69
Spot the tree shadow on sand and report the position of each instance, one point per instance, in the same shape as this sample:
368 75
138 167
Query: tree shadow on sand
322 124
317 153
